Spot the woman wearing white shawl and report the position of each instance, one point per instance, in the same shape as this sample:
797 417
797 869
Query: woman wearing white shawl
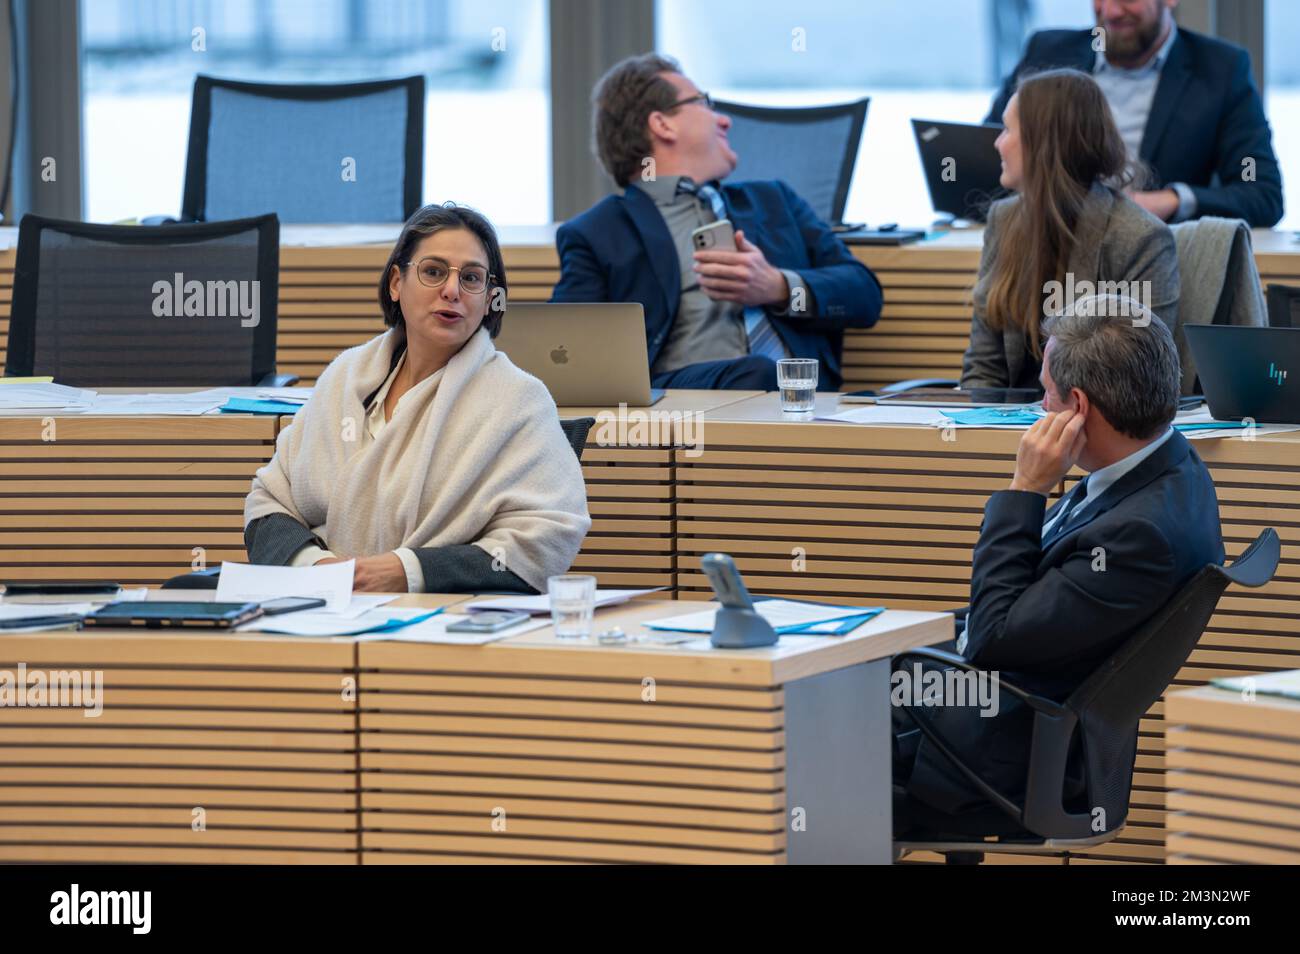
425 454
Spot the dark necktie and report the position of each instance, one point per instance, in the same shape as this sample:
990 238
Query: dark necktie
1069 509
763 339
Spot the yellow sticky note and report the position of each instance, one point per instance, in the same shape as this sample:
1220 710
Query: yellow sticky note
37 380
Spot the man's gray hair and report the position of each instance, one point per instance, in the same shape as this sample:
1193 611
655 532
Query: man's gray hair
1116 351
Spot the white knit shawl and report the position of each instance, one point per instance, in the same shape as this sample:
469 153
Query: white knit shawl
476 457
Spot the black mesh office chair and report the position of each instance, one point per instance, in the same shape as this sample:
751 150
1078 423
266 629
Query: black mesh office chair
812 149
146 306
349 152
1105 710
575 430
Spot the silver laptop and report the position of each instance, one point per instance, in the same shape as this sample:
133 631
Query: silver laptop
586 354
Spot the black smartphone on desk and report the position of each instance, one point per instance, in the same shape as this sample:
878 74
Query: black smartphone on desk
290 604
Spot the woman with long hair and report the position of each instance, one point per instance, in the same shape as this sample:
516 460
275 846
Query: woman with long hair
1067 233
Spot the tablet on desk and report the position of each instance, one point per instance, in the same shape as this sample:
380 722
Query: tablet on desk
155 614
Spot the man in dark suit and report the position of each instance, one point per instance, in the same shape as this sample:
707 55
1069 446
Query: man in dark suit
1185 103
720 317
1055 591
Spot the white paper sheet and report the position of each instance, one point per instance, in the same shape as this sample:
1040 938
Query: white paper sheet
884 414
541 604
321 623
243 582
43 397
434 630
174 404
777 612
25 610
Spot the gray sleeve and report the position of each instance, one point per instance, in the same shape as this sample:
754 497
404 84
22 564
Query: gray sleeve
1153 260
465 568
985 363
274 539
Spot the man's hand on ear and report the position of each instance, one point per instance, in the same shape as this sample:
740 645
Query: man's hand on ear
1048 450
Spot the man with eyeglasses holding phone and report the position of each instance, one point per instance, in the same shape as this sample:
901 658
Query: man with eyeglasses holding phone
720 312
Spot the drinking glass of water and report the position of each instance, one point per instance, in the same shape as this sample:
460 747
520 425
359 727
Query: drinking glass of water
798 380
573 598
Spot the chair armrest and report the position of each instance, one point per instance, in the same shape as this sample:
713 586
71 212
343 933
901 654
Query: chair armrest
1035 702
987 790
275 380
917 383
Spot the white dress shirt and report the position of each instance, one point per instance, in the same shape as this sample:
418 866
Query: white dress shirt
1102 479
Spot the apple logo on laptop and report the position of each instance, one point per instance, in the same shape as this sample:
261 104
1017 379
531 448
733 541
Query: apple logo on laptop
560 355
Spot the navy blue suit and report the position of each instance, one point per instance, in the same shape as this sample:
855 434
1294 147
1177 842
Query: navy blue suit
1206 118
1046 618
620 250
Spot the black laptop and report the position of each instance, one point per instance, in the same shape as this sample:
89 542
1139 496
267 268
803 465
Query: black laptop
1248 372
962 168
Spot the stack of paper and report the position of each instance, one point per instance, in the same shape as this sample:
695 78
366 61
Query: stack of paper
248 583
323 623
537 605
890 415
786 617
433 629
36 618
199 402
1285 684
43 397
1199 424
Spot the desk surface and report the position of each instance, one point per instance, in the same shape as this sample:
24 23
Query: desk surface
536 654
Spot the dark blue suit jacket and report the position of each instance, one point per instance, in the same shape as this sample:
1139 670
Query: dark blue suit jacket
621 250
1206 118
1047 618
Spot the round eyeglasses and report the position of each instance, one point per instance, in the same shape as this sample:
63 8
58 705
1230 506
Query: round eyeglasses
434 272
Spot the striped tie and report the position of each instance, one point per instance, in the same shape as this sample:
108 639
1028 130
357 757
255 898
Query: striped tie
763 339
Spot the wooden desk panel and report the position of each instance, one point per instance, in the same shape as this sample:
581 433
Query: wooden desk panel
576 752
134 499
1234 774
209 749
536 749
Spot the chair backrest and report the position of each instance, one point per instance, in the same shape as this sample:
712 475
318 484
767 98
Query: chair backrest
576 429
1114 698
812 149
145 306
349 152
1283 306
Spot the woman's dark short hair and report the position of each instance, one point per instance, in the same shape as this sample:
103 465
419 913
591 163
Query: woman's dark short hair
621 106
430 220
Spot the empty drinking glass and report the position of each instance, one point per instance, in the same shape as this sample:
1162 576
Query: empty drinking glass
798 380
573 600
